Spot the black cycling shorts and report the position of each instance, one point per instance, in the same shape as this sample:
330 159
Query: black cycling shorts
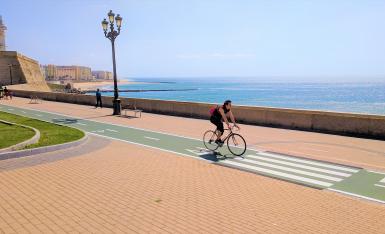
217 122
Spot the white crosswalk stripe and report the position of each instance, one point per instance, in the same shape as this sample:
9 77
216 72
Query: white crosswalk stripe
285 175
305 161
300 166
381 183
305 171
290 169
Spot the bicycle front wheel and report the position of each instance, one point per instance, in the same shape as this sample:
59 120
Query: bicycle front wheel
236 144
209 140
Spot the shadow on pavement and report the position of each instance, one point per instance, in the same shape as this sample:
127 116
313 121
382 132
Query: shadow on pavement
216 156
74 120
128 117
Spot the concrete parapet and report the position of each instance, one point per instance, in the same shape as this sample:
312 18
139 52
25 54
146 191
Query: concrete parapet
358 125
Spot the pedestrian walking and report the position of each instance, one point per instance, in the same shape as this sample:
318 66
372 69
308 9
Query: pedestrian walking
98 98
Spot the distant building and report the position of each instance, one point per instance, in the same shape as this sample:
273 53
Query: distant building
2 35
74 73
50 72
102 75
66 72
84 73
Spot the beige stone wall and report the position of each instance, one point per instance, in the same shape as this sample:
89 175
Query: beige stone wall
26 73
370 126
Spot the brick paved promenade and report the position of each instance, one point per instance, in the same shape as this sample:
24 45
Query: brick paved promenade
107 186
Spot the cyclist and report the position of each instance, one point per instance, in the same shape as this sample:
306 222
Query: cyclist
219 114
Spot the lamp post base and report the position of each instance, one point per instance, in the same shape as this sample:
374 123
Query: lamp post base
117 107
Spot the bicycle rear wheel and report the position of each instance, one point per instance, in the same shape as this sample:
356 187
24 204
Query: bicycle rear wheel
236 144
209 140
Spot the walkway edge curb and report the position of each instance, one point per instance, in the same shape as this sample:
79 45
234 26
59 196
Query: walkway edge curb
45 149
23 144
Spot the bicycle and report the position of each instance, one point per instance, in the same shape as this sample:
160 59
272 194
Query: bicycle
235 142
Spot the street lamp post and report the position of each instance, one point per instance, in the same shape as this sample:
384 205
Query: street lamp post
10 72
112 35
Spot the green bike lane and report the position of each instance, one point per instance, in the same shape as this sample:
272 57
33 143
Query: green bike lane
317 174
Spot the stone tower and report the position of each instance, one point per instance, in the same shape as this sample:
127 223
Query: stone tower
2 35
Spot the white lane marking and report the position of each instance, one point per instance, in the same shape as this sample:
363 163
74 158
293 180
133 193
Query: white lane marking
300 166
383 180
152 147
111 130
356 195
282 174
204 149
151 138
290 169
197 152
10 109
100 131
23 112
201 148
379 185
39 115
81 124
309 162
377 172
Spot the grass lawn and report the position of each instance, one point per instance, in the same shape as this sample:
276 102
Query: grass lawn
50 134
12 135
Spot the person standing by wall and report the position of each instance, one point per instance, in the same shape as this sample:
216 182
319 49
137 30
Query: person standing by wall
7 93
98 98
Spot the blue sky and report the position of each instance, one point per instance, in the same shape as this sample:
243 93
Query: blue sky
262 40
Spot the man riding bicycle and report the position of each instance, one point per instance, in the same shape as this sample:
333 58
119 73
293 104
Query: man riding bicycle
219 114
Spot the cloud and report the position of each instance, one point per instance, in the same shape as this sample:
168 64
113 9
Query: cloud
216 56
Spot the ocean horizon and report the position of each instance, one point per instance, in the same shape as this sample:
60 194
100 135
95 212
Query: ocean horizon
348 97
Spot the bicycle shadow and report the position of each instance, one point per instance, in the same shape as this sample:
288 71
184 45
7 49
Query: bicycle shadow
216 156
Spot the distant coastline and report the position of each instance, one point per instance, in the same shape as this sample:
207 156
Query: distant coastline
139 90
90 86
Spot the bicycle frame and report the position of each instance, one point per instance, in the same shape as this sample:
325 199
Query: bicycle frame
236 139
230 130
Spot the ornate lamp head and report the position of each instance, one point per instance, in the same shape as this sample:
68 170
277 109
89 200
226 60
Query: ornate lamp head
111 16
118 21
105 25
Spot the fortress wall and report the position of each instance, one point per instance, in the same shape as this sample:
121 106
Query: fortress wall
357 125
26 74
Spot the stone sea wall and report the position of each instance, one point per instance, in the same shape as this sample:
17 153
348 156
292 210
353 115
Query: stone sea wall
358 125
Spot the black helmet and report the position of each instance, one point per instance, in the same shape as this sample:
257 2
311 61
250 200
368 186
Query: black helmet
226 102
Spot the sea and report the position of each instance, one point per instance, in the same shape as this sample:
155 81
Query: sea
357 97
